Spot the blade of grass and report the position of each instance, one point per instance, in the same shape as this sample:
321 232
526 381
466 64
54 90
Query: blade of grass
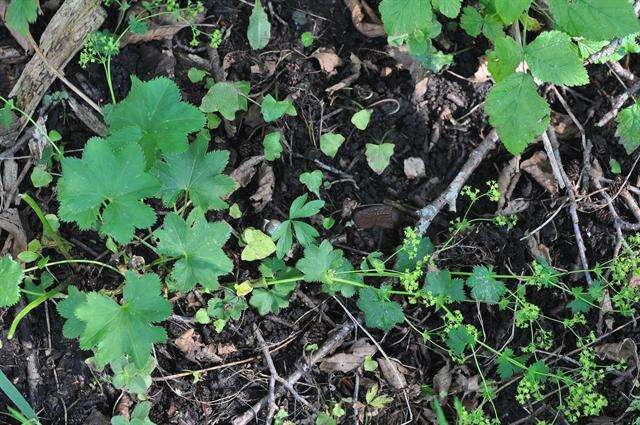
16 398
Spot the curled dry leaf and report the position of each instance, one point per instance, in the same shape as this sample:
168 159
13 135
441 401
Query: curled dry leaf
393 373
420 89
348 361
414 168
194 350
442 381
245 172
537 249
358 10
356 68
508 179
328 59
226 349
539 168
265 188
626 351
482 74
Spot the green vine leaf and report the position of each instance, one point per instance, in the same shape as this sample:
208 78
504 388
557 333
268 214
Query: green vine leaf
506 366
259 245
115 330
505 57
226 98
449 8
378 156
459 339
259 30
379 311
403 18
196 174
128 376
11 276
112 174
511 10
312 180
517 111
330 143
273 109
198 246
157 109
272 146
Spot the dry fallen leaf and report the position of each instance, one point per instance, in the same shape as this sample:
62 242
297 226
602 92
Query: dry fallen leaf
328 59
482 74
348 361
420 89
391 372
508 179
265 188
442 381
245 172
539 168
356 67
625 350
194 350
414 168
226 349
358 15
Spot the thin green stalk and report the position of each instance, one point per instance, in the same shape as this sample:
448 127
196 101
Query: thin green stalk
74 261
33 304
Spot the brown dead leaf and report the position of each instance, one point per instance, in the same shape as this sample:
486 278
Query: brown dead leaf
328 59
538 250
625 350
358 10
245 172
391 372
194 350
442 381
482 74
348 207
420 89
356 67
348 361
226 349
539 168
266 184
508 179
160 32
414 168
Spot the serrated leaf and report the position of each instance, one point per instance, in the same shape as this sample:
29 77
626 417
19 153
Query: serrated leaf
129 377
402 18
441 285
112 173
471 21
21 13
319 261
581 302
506 366
272 299
553 58
115 330
484 287
378 156
537 372
11 276
226 98
449 8
628 130
517 111
459 339
379 311
330 143
73 327
259 30
312 180
273 109
198 246
272 146
511 10
231 307
505 57
595 19
157 109
196 174
259 245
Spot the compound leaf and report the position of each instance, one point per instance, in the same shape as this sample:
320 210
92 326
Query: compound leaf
198 245
517 111
379 311
628 130
197 174
139 416
157 109
471 21
111 172
300 208
507 366
484 287
403 18
319 261
553 58
505 57
11 276
272 299
595 19
115 330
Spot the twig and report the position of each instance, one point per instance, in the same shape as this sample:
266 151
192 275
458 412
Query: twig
330 345
271 398
573 206
618 104
450 195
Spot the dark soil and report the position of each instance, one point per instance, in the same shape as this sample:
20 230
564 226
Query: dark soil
71 391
